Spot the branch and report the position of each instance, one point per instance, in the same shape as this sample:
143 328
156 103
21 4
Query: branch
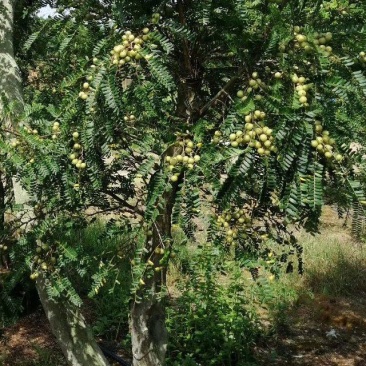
134 209
224 90
186 56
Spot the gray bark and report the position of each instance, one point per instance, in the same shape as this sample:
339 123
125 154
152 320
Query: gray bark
148 332
10 80
148 329
10 90
67 322
68 325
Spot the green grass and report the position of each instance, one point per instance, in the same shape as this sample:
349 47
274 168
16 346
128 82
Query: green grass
334 266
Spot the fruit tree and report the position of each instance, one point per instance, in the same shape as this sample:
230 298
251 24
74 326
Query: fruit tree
164 114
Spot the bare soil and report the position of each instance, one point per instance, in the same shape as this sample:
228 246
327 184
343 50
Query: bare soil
28 341
320 331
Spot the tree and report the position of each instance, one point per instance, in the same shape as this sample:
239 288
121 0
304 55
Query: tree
234 112
66 321
10 89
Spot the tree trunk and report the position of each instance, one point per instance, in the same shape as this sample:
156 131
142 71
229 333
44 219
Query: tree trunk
11 92
10 80
67 322
148 330
69 327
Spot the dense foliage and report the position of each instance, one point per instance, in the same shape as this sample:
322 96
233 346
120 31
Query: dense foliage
236 114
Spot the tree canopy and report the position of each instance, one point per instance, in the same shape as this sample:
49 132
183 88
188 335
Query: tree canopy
164 114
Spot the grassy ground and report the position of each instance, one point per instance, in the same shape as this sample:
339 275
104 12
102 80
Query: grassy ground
321 316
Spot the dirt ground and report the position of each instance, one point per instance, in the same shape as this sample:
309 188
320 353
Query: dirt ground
29 340
322 331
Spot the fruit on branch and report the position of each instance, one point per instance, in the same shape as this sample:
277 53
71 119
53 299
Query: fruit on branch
324 144
130 49
255 134
301 89
184 157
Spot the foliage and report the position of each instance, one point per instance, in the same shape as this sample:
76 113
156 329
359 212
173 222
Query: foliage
209 322
168 113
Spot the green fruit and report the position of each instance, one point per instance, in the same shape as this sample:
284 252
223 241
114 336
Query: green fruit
339 157
301 38
303 99
278 75
248 118
328 154
263 137
252 83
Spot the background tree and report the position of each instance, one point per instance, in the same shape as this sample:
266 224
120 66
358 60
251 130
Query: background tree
166 113
70 326
10 90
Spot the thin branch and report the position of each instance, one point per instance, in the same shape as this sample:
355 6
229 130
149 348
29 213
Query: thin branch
134 209
224 90
186 55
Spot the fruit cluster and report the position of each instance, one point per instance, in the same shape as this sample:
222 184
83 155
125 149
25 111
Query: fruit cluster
85 92
254 84
186 158
324 144
130 48
129 118
74 157
55 130
15 143
321 39
301 89
301 41
255 134
234 224
31 131
155 18
44 260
